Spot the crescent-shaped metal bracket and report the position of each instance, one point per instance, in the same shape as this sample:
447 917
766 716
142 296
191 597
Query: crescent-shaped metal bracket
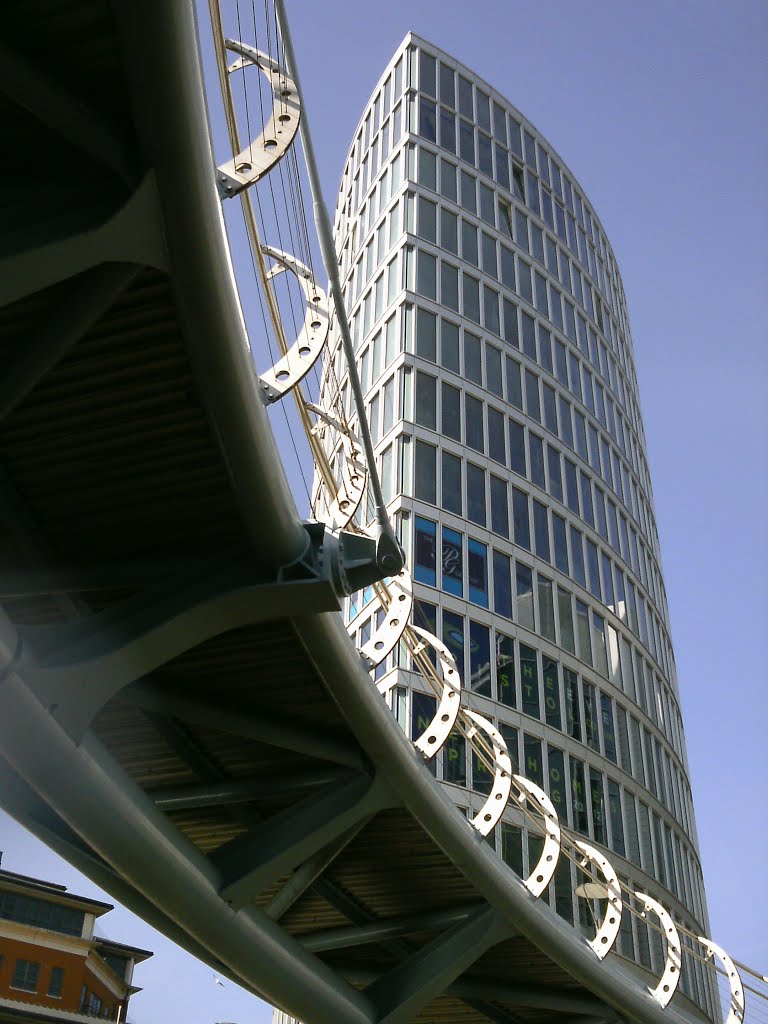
489 814
384 637
303 354
540 877
671 976
438 730
262 154
609 929
343 505
736 1011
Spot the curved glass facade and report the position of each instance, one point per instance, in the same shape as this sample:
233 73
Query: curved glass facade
491 333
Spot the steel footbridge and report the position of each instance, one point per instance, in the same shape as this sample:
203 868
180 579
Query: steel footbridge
183 715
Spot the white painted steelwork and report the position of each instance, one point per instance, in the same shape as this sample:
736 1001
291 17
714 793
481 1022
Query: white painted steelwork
611 923
304 352
399 594
735 984
490 813
671 976
342 506
261 154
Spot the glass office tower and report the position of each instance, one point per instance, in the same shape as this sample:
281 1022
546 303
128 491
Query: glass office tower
491 332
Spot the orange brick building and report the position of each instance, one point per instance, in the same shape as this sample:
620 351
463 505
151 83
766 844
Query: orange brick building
53 966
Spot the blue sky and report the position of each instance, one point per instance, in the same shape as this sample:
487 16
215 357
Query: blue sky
659 110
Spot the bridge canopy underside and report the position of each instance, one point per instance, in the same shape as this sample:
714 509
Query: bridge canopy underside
181 716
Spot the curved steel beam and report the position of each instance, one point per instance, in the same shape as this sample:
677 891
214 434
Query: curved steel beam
342 506
493 808
671 976
261 154
326 643
304 352
438 730
736 1008
385 636
541 875
611 923
162 46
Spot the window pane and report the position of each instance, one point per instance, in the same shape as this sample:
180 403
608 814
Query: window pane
449 285
448 180
550 409
455 760
572 708
427 169
491 310
473 411
426 400
447 86
452 562
502 585
425 483
529 681
449 231
555 473
427 219
427 74
582 628
468 192
480 658
533 769
560 543
524 580
471 294
466 142
477 565
473 367
578 796
598 805
469 249
487 205
499 507
476 494
25 975
609 736
496 436
614 810
510 320
524 279
536 447
451 412
577 557
550 676
517 448
541 530
565 617
447 130
452 486
426 335
449 345
426 274
590 716
594 572
56 983
482 778
546 609
520 519
493 370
